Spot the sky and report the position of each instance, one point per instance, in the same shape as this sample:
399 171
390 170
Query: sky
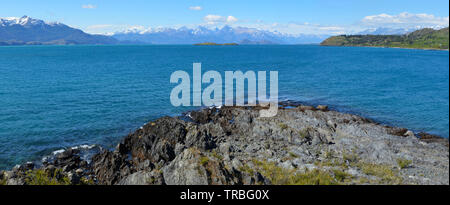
286 16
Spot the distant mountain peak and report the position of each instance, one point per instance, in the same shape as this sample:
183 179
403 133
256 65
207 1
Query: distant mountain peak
27 30
26 21
225 34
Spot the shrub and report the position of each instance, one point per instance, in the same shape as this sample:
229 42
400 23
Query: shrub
293 155
41 177
85 181
204 160
314 177
283 126
216 155
328 154
304 133
350 158
341 175
281 176
247 169
403 163
384 172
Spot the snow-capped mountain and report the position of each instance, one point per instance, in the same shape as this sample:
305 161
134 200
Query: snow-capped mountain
24 21
29 31
226 34
26 30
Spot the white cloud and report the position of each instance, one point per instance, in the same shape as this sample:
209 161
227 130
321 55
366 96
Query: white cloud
301 28
88 6
213 19
405 20
216 19
195 8
231 19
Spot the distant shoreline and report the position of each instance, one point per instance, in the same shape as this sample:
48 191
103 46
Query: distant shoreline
426 39
431 49
45 45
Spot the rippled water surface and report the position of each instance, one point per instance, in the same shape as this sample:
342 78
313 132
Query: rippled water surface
53 97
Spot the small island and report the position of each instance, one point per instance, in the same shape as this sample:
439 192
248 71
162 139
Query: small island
215 44
421 39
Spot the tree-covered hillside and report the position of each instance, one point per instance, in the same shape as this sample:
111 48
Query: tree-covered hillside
423 39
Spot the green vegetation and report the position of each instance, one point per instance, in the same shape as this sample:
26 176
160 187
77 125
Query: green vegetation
85 181
422 39
380 173
293 155
328 154
41 177
304 133
403 163
281 176
215 44
204 160
283 126
216 155
314 177
341 176
245 168
350 158
384 172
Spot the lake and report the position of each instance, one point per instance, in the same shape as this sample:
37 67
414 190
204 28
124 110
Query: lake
52 97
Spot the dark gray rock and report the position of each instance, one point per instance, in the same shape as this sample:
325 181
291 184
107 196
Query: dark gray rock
230 145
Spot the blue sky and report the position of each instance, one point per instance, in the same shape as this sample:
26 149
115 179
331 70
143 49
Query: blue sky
290 16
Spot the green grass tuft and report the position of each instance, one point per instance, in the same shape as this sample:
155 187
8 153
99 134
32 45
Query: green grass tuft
293 155
384 172
281 176
246 169
404 163
341 176
283 126
204 160
216 155
41 177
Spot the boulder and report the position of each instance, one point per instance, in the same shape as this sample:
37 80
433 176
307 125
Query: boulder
186 169
305 107
143 178
410 133
322 108
110 168
397 131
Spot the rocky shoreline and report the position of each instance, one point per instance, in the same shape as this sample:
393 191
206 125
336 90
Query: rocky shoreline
233 146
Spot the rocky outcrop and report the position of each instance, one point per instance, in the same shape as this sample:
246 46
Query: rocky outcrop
186 169
232 145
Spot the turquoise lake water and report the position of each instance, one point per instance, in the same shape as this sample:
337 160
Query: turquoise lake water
53 97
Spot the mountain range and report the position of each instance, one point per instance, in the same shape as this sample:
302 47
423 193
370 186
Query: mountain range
29 31
226 34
